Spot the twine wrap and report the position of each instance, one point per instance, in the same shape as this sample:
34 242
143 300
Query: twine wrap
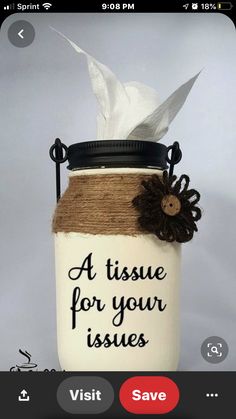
100 204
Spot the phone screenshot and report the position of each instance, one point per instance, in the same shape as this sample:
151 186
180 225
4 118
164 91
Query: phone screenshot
118 202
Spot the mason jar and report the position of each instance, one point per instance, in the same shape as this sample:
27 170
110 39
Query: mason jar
117 285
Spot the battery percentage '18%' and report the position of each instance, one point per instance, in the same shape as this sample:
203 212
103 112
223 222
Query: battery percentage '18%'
208 6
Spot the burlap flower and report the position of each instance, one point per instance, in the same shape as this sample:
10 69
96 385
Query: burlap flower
168 208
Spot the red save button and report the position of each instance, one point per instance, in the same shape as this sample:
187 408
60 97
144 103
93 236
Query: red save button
149 394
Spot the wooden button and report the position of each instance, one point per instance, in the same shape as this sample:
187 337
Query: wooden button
171 205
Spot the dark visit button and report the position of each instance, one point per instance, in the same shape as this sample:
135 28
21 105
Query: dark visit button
85 395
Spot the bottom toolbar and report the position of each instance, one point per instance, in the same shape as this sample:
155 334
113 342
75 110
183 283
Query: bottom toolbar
185 395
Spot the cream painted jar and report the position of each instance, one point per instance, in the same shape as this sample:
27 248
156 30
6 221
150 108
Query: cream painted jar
117 286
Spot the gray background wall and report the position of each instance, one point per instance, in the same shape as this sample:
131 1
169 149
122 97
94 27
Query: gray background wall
46 92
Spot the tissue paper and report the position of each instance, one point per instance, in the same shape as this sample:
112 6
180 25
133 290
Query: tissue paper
130 110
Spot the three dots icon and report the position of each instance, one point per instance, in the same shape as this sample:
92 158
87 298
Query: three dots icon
212 395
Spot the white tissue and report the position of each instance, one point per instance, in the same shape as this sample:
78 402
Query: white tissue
130 110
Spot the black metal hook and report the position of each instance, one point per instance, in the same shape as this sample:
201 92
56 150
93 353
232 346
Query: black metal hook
176 156
56 154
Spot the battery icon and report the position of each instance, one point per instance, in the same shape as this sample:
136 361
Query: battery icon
224 6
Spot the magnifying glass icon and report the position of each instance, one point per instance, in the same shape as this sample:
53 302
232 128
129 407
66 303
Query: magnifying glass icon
214 350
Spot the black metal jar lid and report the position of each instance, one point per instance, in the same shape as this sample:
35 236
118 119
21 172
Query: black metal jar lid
116 153
113 153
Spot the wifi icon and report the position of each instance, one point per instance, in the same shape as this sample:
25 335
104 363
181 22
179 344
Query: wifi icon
47 5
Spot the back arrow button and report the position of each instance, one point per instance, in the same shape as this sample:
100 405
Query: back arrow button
20 34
